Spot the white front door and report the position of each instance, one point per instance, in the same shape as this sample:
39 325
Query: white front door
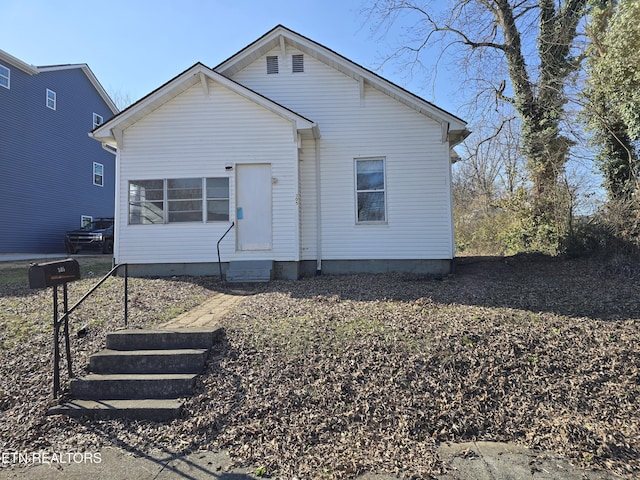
253 206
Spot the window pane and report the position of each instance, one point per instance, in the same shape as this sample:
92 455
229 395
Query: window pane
218 210
218 187
185 217
371 207
184 188
141 190
370 174
146 202
144 213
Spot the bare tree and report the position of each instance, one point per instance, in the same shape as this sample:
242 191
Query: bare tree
531 43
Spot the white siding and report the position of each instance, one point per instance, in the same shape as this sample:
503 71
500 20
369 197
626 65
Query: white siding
197 135
417 164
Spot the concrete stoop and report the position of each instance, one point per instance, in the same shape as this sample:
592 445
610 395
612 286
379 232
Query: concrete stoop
249 271
142 375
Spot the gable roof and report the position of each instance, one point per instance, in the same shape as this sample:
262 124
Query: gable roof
92 78
110 131
33 70
453 127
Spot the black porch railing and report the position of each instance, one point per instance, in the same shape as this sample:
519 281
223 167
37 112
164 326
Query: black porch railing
218 248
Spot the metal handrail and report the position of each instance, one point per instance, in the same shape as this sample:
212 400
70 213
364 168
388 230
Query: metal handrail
218 247
95 287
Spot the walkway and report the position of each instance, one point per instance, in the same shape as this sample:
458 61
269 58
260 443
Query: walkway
207 314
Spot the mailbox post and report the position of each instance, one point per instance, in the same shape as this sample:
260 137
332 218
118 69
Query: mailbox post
52 274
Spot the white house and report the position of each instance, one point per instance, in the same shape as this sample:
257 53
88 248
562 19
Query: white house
320 165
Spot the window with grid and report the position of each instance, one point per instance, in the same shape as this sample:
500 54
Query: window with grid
218 199
184 197
370 190
98 174
146 202
51 99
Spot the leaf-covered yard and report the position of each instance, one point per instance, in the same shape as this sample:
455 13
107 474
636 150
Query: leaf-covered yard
335 376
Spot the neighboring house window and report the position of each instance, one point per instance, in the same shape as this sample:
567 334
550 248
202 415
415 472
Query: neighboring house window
184 197
85 220
272 64
297 63
51 99
98 174
370 190
5 77
146 202
218 199
97 120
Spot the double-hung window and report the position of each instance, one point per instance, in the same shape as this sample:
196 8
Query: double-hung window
218 199
184 197
98 174
51 99
370 190
5 77
97 120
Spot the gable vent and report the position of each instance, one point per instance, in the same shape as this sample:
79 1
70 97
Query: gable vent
297 63
272 64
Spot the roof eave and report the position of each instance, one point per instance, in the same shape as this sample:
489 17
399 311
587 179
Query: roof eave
16 62
90 75
271 40
190 77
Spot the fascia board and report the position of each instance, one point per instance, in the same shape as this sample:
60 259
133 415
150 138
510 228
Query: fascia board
179 84
17 63
92 78
271 40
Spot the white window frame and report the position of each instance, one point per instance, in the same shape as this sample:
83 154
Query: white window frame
98 166
6 77
97 120
85 220
157 206
383 190
166 201
207 199
172 197
51 99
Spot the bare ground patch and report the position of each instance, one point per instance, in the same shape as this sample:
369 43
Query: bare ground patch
335 376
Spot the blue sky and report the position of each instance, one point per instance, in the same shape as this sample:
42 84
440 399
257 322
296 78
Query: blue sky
135 46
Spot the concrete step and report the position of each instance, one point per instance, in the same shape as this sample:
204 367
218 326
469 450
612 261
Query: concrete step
162 339
133 386
154 409
249 271
187 360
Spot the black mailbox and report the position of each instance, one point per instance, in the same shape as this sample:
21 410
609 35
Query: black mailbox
49 274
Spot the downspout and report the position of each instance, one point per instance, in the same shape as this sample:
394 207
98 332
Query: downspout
318 210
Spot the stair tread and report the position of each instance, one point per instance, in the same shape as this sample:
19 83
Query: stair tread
144 409
177 351
137 376
126 403
158 339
